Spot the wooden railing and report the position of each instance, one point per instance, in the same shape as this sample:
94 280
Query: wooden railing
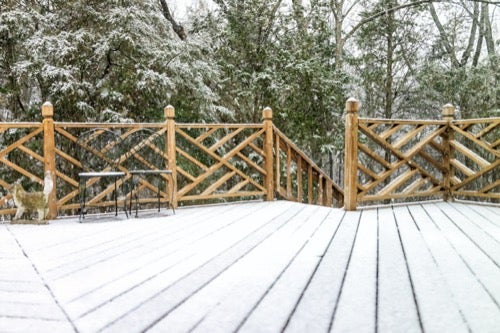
209 163
387 160
300 179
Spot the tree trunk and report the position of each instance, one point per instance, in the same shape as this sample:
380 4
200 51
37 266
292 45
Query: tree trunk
179 29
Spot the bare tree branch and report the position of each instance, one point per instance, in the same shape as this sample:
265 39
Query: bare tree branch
382 13
179 29
444 39
472 34
407 5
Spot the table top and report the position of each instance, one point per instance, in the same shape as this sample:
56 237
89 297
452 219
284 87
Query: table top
135 172
101 174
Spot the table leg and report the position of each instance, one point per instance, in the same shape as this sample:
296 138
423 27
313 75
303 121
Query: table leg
116 200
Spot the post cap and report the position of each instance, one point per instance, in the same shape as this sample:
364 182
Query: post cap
169 111
267 113
352 105
448 112
47 110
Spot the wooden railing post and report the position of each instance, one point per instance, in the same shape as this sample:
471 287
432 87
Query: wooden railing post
171 153
49 157
351 154
267 116
447 114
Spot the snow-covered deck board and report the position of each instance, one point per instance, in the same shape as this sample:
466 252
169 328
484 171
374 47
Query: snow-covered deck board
257 267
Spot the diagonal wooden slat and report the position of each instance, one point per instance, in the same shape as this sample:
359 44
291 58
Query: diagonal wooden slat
367 171
476 175
238 186
20 142
490 186
390 131
487 129
437 164
470 154
206 134
415 186
251 163
185 174
31 153
476 141
396 183
374 155
191 158
106 192
22 171
495 144
425 141
218 183
225 139
408 136
462 167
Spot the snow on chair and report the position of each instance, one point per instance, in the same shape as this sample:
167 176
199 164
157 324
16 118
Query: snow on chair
147 164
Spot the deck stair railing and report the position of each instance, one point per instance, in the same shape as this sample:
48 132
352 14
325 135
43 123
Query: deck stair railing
299 179
385 160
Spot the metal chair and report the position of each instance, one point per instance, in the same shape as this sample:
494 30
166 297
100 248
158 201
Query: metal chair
147 166
100 152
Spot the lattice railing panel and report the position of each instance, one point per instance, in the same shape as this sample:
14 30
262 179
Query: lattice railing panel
399 159
217 162
475 162
100 191
21 160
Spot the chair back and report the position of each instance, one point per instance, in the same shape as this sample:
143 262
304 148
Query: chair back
146 150
101 149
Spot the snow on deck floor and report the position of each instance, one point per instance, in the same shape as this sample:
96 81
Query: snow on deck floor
257 267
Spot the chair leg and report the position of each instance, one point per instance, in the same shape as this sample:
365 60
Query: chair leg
131 192
158 196
136 203
116 200
124 197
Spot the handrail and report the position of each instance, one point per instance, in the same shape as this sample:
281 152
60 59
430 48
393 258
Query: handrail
320 188
385 160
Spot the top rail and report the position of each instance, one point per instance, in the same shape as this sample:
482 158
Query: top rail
5 126
401 121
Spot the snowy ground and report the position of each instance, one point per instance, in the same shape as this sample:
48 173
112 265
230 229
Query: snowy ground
257 267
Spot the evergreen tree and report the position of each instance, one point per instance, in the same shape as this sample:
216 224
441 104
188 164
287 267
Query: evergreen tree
101 60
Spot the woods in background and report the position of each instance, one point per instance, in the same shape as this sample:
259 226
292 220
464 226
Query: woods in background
126 60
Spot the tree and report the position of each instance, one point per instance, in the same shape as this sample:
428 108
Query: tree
462 67
98 60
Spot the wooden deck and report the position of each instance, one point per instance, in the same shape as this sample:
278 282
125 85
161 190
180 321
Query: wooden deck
257 267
